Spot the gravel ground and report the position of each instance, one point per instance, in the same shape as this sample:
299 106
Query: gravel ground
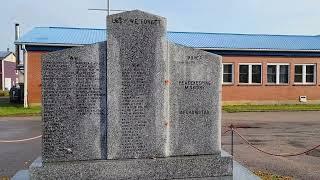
277 132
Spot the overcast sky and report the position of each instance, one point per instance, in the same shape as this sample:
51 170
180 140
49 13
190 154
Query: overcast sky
300 17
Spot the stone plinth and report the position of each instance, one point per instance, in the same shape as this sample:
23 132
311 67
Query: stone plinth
184 167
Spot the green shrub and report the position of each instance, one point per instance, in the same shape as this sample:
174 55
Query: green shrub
4 93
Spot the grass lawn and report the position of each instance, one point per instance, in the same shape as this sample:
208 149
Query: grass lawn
270 108
270 176
8 109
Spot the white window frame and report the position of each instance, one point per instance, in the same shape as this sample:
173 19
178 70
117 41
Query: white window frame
304 73
278 72
250 72
232 73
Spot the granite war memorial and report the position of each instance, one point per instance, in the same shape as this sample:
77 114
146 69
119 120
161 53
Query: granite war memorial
134 107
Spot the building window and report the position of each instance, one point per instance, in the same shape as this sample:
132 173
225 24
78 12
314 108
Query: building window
227 73
305 73
278 73
250 73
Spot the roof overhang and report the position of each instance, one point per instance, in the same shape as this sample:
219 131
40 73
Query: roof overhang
203 48
48 44
270 50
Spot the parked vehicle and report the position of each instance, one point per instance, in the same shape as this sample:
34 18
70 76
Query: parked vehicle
16 94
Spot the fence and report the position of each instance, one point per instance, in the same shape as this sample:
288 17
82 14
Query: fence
233 130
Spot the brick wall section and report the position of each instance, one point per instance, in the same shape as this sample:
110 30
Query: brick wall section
34 77
234 93
265 92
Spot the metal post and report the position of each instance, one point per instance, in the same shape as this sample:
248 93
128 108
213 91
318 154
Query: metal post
232 143
17 36
231 127
108 7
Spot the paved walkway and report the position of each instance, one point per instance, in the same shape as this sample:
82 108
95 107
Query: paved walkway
17 156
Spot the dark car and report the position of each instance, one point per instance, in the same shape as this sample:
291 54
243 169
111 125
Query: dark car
16 94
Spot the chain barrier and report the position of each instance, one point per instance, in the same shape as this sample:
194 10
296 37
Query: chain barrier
20 140
233 129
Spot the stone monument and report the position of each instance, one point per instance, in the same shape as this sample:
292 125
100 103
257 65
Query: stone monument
134 107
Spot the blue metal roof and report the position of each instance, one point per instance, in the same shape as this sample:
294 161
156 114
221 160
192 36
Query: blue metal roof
82 36
62 35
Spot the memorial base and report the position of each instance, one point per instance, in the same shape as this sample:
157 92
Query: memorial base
185 167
